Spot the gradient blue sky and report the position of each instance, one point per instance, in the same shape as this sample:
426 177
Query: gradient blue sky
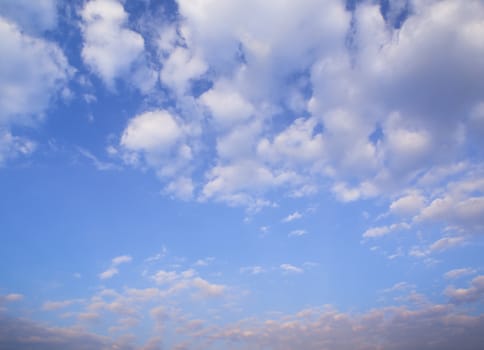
209 174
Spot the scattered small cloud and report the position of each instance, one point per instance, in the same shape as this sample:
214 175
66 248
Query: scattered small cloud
446 243
252 270
297 233
291 217
113 270
291 268
457 273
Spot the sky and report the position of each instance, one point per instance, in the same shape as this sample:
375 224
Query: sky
210 174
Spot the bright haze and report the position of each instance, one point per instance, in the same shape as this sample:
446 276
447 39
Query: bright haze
241 174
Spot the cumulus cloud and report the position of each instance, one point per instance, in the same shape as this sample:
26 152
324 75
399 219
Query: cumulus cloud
33 72
371 110
157 139
461 205
110 48
474 293
408 204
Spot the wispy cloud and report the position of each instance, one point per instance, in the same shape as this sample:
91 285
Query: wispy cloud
291 268
113 270
457 273
297 233
291 217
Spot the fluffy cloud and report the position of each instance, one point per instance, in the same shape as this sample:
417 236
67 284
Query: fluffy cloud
158 139
227 107
33 71
154 131
467 295
369 104
408 204
109 48
461 205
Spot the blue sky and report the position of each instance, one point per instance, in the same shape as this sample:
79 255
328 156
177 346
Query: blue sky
205 174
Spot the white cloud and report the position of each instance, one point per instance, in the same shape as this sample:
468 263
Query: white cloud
227 107
176 282
458 207
156 131
109 47
429 327
98 164
291 217
157 139
113 270
33 72
13 297
241 184
467 295
13 146
181 188
253 270
205 261
291 268
408 204
109 273
180 68
297 233
457 273
122 259
446 243
380 231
